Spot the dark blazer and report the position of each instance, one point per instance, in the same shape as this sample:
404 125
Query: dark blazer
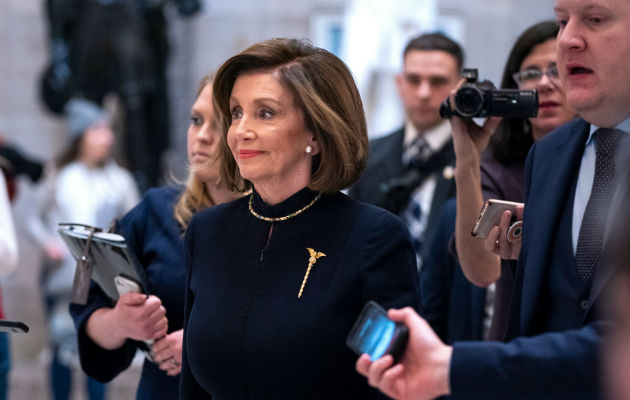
385 163
156 239
537 364
454 307
248 335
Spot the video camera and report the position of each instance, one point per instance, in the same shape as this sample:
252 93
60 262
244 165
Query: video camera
482 99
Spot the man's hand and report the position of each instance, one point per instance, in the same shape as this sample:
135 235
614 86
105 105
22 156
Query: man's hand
423 371
497 240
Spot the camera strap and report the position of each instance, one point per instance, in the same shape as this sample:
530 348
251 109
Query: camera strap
83 273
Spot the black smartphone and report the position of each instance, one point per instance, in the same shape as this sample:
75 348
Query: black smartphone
376 335
13 326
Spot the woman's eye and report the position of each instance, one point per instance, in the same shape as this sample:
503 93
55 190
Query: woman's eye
195 120
236 113
266 114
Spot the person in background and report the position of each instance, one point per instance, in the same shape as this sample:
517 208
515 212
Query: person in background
86 187
8 241
275 280
495 172
12 164
410 171
575 178
154 229
8 263
121 47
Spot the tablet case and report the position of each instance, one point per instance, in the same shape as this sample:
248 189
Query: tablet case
100 256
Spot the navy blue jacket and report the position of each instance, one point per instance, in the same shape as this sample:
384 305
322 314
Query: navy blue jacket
155 237
454 307
537 364
248 335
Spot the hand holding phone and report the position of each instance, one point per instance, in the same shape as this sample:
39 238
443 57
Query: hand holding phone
376 335
490 216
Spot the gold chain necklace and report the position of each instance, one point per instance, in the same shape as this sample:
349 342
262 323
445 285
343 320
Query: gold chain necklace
276 219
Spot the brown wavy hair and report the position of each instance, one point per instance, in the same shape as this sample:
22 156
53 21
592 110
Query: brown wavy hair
323 88
195 196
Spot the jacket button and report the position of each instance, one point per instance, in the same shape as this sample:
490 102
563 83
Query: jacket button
584 304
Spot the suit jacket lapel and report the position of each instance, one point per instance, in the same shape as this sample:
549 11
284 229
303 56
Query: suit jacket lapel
392 165
444 189
552 177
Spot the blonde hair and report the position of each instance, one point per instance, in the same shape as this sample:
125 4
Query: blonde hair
195 196
323 88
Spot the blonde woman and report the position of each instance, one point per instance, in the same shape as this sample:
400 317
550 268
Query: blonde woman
108 336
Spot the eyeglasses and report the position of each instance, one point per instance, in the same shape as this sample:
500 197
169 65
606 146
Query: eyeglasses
531 77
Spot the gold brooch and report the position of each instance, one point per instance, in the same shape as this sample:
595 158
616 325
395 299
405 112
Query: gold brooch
312 259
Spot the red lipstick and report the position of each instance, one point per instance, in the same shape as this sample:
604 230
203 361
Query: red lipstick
245 154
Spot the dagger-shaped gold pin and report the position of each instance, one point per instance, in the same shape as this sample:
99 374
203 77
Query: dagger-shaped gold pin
312 259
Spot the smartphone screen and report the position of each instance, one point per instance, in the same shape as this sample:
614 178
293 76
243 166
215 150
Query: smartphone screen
375 334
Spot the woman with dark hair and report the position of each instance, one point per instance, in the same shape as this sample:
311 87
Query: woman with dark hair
276 279
497 172
109 334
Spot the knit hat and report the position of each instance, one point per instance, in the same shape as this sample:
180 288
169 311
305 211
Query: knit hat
81 115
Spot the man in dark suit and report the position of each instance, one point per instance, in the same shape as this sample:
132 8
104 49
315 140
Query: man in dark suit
455 308
409 171
577 186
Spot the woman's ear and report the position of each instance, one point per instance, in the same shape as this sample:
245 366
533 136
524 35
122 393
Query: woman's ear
314 146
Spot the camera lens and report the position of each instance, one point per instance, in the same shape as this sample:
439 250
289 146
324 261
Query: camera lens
469 101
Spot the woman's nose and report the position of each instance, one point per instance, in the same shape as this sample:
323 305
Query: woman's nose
242 129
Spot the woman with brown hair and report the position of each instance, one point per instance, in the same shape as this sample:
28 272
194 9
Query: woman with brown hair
270 302
109 335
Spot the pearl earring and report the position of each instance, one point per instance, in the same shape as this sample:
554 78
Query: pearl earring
309 149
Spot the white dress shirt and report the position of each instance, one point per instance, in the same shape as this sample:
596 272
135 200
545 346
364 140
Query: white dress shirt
435 138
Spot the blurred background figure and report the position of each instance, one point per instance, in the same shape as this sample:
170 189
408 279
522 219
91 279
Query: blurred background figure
12 163
408 170
116 47
85 186
8 262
